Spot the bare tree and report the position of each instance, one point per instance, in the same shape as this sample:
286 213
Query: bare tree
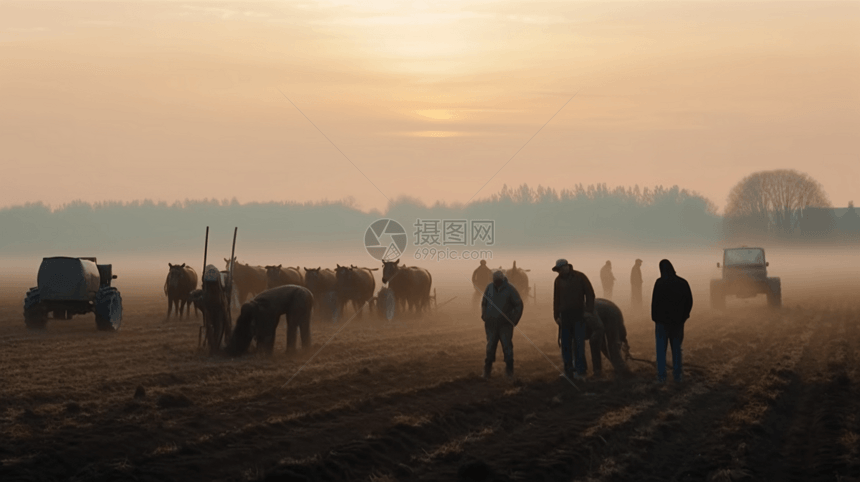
775 200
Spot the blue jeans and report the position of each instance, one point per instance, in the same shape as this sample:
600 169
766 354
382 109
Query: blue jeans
499 331
573 329
669 335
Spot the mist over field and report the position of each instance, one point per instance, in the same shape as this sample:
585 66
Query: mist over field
443 134
534 226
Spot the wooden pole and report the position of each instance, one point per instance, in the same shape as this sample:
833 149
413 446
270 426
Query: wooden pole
205 252
232 262
202 274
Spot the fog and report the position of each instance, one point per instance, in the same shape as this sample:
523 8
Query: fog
804 272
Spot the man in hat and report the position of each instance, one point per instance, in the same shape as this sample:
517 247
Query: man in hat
572 296
501 310
636 284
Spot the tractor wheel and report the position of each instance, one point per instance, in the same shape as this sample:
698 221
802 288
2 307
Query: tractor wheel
774 293
108 309
35 315
718 297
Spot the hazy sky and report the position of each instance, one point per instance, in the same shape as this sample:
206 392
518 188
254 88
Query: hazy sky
171 100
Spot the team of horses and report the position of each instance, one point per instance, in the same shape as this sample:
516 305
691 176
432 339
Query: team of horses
297 293
329 293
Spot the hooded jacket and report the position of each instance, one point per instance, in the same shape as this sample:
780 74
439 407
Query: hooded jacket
672 299
507 299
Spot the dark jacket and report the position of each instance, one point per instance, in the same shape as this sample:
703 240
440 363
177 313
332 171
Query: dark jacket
573 292
672 299
507 299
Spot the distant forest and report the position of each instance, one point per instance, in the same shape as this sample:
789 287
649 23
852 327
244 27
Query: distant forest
524 217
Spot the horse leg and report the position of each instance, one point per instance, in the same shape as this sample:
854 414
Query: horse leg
270 337
292 325
305 327
341 306
169 306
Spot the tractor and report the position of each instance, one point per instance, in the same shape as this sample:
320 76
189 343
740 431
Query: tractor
73 286
745 276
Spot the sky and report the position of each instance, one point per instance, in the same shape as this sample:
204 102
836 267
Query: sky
438 101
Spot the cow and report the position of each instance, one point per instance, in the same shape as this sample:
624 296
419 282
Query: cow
181 281
249 280
279 276
354 284
411 285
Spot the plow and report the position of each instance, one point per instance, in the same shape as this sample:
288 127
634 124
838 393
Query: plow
218 299
386 304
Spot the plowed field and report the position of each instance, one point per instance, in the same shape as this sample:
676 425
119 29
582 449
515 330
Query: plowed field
768 395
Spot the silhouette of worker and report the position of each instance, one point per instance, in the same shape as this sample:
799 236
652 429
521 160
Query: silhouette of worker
501 310
671 303
481 277
636 284
572 297
607 279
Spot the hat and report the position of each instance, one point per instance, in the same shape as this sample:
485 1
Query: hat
211 273
498 275
560 263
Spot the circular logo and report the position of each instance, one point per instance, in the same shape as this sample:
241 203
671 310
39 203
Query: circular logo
385 239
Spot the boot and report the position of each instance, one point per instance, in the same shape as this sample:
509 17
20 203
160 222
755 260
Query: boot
488 369
568 372
509 370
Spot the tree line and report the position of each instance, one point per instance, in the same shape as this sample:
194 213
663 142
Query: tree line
766 205
523 217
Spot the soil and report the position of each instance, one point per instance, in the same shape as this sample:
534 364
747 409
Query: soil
768 395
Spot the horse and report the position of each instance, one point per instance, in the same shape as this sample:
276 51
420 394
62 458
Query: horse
259 319
322 283
278 276
181 281
411 284
354 284
249 280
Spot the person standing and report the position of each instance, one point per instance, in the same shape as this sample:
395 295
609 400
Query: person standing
501 310
572 296
607 279
481 277
636 284
671 303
